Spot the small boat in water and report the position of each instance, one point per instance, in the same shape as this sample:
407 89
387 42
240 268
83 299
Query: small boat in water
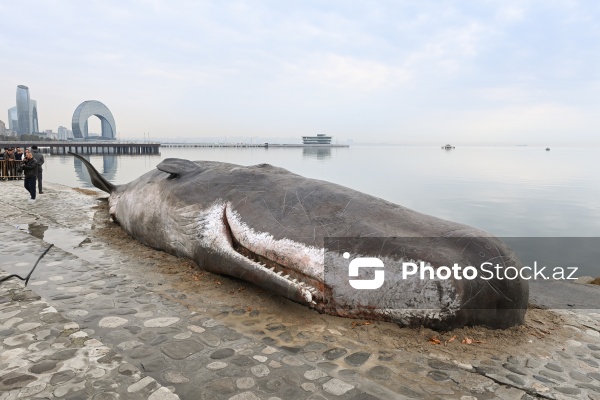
448 147
547 148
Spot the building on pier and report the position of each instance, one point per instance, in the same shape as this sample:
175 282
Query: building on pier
319 139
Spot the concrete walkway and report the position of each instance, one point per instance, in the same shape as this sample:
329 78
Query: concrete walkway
101 320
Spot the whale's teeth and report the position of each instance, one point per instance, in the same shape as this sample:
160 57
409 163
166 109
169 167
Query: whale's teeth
287 277
301 283
295 280
314 302
312 289
272 269
279 273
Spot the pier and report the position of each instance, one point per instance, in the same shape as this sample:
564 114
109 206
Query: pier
320 146
132 148
263 145
89 147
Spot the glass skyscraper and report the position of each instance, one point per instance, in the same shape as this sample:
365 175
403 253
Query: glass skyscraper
23 118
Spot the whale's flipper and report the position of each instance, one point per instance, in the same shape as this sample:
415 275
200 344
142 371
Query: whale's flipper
97 179
177 167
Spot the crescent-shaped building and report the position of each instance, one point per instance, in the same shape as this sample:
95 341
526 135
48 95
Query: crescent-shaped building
86 110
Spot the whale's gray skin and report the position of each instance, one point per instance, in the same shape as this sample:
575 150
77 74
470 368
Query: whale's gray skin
268 226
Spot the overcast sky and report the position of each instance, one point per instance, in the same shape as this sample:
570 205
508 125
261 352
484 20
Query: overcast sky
377 71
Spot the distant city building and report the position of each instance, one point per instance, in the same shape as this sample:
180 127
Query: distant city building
64 133
2 128
23 118
49 134
13 119
86 110
319 139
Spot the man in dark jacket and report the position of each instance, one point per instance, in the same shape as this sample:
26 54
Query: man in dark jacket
11 167
2 165
19 155
30 166
39 157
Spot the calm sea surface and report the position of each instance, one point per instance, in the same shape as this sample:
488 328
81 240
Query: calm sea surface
516 191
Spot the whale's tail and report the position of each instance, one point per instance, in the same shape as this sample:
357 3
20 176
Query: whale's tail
97 179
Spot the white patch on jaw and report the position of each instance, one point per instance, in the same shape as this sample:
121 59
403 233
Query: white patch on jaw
213 233
305 259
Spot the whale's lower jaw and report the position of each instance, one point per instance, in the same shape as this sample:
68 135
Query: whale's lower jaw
263 251
315 287
229 257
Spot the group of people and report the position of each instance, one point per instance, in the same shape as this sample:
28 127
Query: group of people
8 162
30 163
10 153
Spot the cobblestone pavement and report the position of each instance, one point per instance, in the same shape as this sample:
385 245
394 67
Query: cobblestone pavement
45 355
111 324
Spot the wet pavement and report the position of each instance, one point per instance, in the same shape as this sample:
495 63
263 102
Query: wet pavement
104 318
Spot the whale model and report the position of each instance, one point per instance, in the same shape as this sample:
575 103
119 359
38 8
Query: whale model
331 248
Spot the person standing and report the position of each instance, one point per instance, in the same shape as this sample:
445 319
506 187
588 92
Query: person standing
39 157
2 164
11 167
19 157
30 166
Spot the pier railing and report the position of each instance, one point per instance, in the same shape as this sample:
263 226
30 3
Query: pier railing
264 145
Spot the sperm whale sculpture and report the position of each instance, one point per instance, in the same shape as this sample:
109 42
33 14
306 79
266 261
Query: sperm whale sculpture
319 243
